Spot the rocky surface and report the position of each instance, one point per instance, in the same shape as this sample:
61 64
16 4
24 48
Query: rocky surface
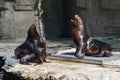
60 70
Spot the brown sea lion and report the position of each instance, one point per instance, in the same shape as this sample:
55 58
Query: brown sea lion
86 45
32 50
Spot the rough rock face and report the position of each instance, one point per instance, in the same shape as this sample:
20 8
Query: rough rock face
59 70
47 71
43 72
60 76
4 75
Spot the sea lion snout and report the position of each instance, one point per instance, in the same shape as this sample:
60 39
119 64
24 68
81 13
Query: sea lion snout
77 20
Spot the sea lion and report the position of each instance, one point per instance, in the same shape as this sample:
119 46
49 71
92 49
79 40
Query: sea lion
32 50
86 45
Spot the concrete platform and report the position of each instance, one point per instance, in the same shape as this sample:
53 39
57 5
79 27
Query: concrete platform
68 55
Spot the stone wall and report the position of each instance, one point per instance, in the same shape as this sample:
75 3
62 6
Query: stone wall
111 11
101 17
15 20
19 15
52 17
7 22
22 21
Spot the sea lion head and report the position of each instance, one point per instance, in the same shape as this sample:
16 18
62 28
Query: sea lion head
77 20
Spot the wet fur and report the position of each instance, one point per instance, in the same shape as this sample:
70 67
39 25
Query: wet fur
32 50
86 45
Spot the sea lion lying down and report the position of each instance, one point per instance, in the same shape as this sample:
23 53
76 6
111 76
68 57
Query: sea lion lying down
32 50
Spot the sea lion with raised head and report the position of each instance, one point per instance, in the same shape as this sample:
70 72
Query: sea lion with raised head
86 45
32 50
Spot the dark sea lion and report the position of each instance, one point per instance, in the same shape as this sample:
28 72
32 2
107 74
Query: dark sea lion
86 45
32 50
